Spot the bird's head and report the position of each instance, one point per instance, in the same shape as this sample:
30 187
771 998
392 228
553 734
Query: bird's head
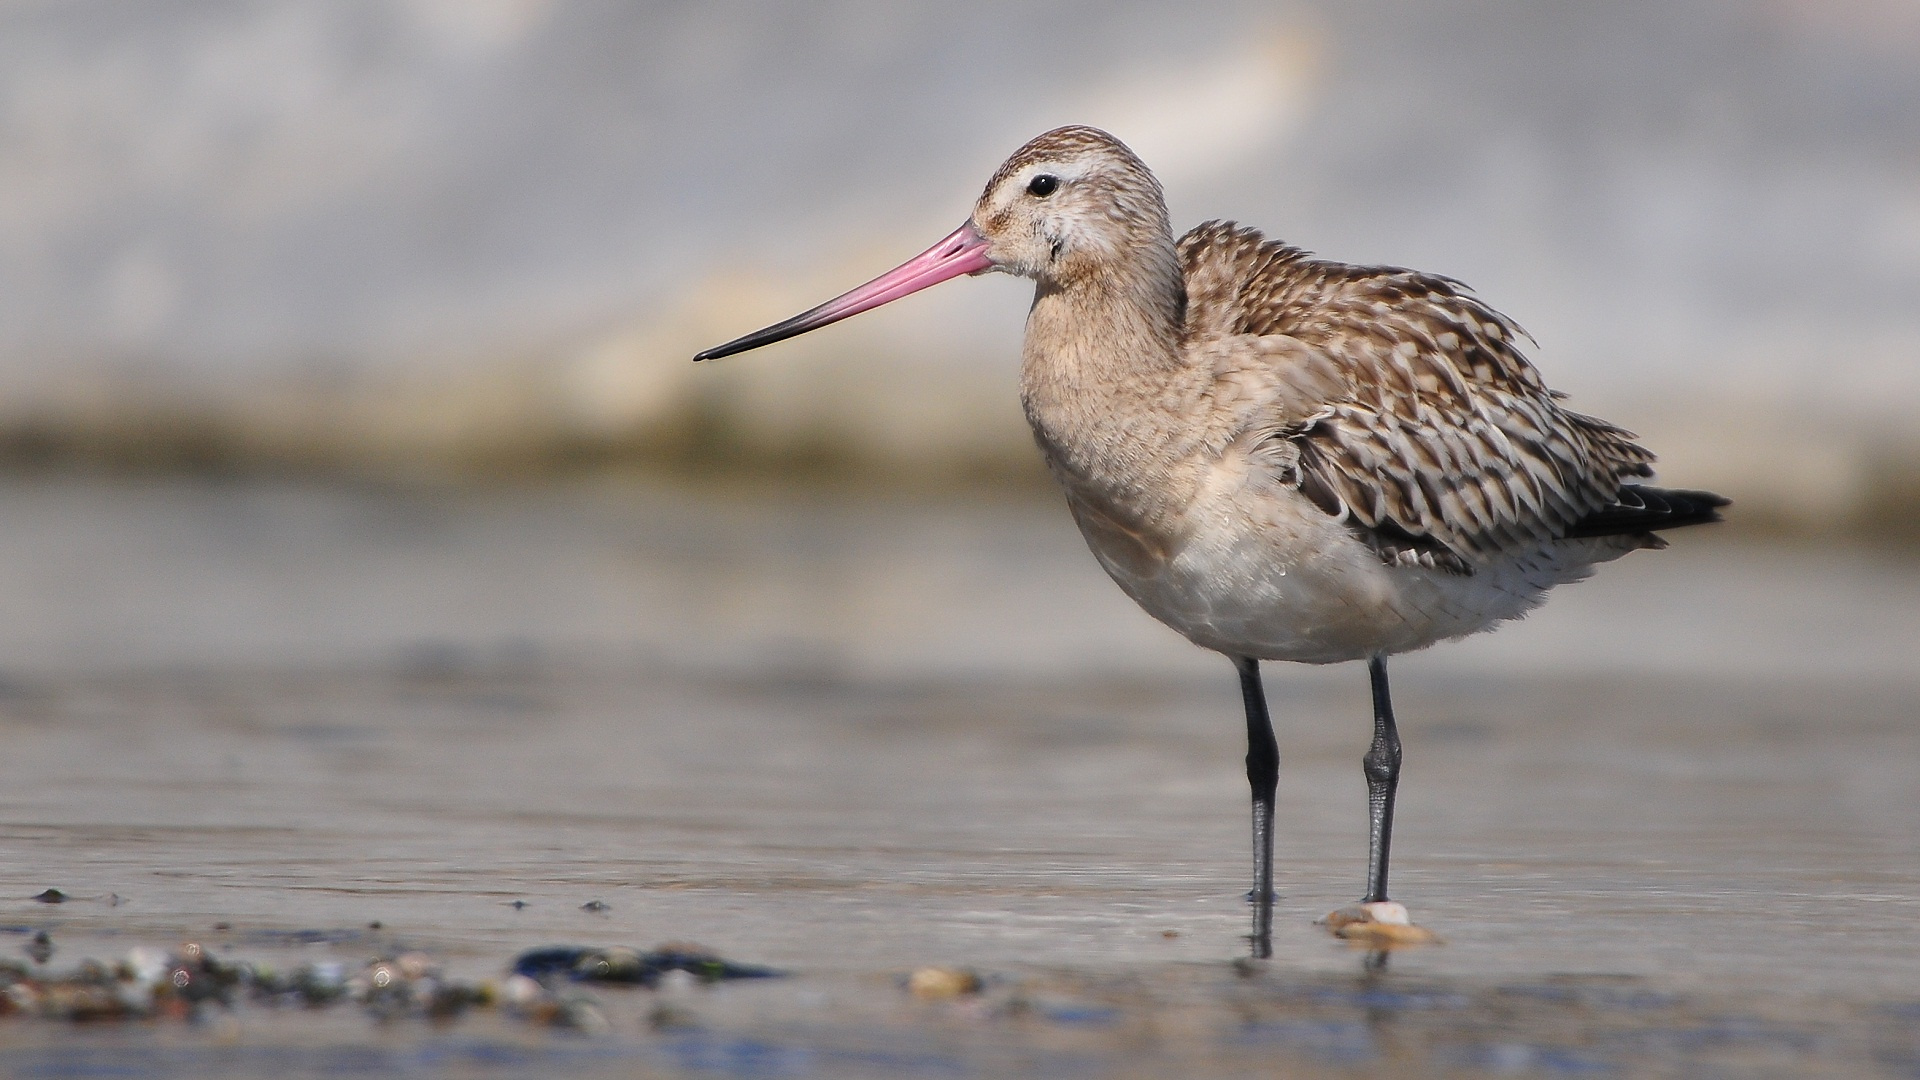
1069 205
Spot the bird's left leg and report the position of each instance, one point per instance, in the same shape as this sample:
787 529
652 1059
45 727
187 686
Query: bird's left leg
1375 920
1382 766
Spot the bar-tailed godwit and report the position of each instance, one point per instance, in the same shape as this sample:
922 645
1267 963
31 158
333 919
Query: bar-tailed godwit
1284 458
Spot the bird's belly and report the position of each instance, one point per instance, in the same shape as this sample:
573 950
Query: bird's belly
1270 579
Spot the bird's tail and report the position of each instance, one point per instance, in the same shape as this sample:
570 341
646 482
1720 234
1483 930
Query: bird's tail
1641 509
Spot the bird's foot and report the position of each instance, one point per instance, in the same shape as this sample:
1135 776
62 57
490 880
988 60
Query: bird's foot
1378 924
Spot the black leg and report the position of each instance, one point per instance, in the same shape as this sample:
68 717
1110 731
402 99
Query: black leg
1382 766
1263 775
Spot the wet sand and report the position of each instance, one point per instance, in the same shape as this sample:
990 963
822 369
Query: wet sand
1665 826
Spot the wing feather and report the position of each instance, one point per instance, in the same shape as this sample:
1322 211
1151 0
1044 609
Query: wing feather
1427 429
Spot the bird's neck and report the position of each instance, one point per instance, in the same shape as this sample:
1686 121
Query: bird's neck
1103 365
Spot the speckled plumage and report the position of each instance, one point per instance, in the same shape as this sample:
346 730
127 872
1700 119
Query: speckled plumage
1431 430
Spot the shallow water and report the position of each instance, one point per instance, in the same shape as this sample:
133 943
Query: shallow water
1668 823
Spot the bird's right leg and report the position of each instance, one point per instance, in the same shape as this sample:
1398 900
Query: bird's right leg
1382 766
1263 776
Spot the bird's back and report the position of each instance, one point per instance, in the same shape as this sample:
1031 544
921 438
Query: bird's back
1411 411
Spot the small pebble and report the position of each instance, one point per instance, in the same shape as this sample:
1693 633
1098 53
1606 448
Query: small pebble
938 983
1379 923
146 965
521 991
51 896
596 906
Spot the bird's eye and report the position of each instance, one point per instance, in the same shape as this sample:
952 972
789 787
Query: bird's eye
1043 185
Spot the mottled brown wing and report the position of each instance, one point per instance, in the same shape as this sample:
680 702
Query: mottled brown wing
1439 442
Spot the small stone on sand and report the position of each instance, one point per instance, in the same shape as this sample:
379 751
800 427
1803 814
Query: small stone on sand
937 983
1383 922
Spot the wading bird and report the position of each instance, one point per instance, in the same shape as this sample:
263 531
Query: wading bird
1280 457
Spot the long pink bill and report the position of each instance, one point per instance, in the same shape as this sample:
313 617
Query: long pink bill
964 251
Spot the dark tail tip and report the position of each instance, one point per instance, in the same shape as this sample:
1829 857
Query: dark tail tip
1638 508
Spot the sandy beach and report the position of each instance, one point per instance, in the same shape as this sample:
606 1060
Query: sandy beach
1663 826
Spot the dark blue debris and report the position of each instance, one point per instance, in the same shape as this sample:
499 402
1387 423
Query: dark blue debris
632 967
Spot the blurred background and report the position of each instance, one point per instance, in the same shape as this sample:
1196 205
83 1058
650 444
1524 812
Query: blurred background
482 237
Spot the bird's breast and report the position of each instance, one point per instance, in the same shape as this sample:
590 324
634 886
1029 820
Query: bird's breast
1242 564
